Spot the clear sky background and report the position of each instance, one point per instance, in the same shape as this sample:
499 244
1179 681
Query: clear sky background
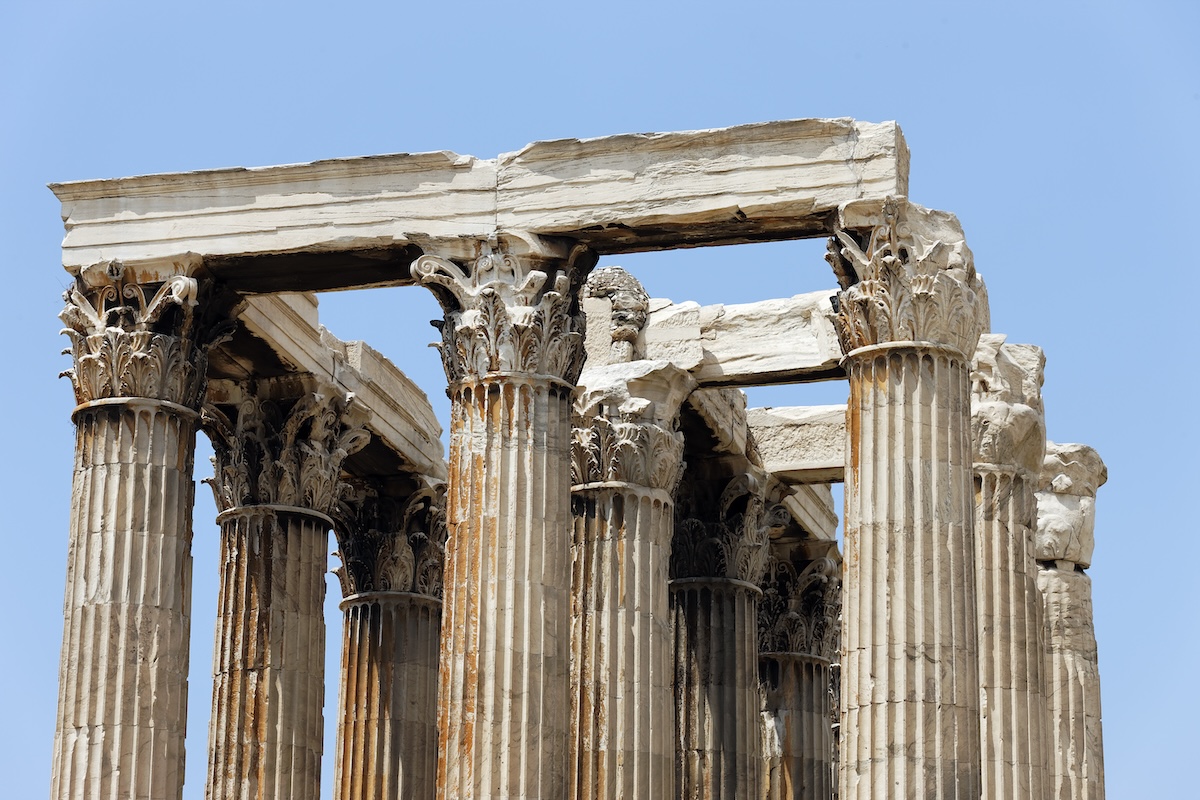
1064 136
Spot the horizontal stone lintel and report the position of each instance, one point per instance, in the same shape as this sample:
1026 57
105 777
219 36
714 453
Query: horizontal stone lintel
357 221
787 340
801 444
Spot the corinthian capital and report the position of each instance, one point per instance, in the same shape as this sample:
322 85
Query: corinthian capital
625 421
734 545
390 546
130 339
800 607
1007 425
907 275
510 312
281 442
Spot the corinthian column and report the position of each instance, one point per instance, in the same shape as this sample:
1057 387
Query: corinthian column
138 377
717 562
798 633
279 447
512 351
391 579
1008 434
627 461
909 315
1066 517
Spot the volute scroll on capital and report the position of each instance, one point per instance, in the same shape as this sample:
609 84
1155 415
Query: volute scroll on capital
510 312
906 275
134 340
732 544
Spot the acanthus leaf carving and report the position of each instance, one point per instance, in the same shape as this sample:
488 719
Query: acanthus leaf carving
505 315
126 344
799 610
735 545
913 281
628 450
388 546
1008 429
287 451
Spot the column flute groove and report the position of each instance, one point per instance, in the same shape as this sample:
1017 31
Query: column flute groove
628 458
391 577
1066 514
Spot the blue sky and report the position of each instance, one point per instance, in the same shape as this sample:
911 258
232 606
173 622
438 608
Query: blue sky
1063 136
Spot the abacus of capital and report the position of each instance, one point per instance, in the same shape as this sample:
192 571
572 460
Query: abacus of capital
622 583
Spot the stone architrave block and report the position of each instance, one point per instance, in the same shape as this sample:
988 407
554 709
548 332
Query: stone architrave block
801 444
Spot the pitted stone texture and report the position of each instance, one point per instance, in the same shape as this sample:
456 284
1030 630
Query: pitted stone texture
122 703
1073 687
772 341
1066 515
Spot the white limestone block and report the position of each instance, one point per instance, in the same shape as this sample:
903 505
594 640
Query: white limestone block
772 341
801 444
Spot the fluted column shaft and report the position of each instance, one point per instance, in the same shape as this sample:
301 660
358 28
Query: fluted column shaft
122 703
503 701
716 689
798 706
1073 685
622 704
1012 713
910 698
267 728
387 734
1065 538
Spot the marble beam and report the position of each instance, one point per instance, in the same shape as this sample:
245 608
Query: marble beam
801 444
776 180
1066 503
512 349
139 372
278 450
391 577
1009 438
909 316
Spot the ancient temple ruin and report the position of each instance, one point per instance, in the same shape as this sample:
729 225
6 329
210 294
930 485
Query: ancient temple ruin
622 583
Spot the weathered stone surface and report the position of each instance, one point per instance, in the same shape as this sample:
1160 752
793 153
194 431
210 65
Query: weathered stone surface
1071 474
750 344
801 444
1072 687
391 576
1008 435
798 630
627 460
279 446
776 180
907 275
1066 504
910 696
